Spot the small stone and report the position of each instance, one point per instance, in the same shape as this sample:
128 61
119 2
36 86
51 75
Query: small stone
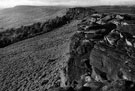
125 77
126 62
88 79
129 70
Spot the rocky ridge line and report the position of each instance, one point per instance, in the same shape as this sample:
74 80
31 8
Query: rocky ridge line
102 55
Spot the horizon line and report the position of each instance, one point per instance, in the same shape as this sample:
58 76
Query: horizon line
65 5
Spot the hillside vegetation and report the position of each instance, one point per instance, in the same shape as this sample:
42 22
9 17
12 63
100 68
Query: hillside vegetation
13 35
24 15
34 64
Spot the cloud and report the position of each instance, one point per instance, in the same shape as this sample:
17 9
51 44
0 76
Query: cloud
87 2
117 2
10 3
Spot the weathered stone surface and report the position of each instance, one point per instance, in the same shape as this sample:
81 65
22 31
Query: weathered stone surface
104 53
112 62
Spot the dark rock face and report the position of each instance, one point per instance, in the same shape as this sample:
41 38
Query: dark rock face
62 89
112 62
79 61
104 52
80 13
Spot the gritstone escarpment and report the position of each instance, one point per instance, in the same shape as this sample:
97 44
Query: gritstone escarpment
102 54
81 51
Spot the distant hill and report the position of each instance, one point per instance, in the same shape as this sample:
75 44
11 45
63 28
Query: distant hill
115 9
23 15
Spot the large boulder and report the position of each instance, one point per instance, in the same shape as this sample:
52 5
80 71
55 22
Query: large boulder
115 63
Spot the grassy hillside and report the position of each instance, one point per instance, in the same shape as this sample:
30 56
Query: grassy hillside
24 15
14 35
35 63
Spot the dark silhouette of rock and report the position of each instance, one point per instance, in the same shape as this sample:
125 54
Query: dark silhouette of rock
84 89
62 89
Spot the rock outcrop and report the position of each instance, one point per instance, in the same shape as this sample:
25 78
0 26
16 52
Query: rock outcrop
102 55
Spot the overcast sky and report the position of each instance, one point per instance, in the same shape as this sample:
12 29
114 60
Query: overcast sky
11 3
